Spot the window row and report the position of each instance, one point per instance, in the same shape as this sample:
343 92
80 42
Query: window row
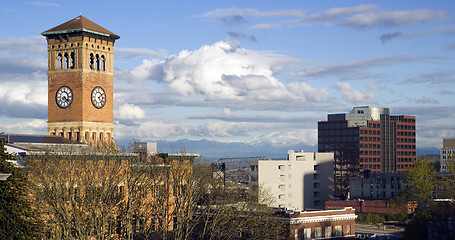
370 139
406 153
374 159
97 62
404 159
372 153
371 166
374 125
372 146
339 139
406 140
65 61
343 132
322 232
399 146
402 133
370 132
406 127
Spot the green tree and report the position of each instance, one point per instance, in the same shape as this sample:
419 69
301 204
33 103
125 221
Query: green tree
432 218
420 182
17 218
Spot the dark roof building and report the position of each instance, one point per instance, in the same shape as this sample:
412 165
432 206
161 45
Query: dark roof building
80 24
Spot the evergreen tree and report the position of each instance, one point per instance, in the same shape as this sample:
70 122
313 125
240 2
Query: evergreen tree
17 218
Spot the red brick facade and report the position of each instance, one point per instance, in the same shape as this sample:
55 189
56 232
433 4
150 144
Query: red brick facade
321 224
376 206
81 60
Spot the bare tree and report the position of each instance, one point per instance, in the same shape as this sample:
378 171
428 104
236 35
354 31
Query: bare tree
79 195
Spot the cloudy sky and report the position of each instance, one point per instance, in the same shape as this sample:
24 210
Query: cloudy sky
244 71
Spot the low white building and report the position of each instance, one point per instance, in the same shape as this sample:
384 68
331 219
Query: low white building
303 181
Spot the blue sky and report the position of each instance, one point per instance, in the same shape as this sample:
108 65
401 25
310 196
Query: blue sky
244 71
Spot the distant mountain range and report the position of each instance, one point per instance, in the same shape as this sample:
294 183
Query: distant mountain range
212 150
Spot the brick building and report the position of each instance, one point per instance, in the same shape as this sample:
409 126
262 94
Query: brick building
367 138
325 224
370 206
80 81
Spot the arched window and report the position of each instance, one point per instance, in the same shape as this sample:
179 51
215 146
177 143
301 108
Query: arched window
72 60
97 62
59 63
92 61
103 63
65 61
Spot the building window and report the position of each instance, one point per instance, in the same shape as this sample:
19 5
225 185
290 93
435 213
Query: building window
103 63
296 234
318 232
59 63
92 61
97 62
71 60
65 61
307 233
348 229
328 232
339 230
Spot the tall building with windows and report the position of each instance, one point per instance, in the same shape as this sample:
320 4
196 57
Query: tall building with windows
80 81
447 152
367 138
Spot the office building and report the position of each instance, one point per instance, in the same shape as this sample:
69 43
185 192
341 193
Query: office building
447 152
367 138
380 186
303 181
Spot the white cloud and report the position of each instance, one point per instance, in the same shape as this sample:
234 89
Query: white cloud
148 70
394 18
44 4
293 137
225 71
306 93
332 14
35 126
24 93
129 112
24 46
427 100
360 69
265 26
127 53
353 96
432 31
26 99
223 12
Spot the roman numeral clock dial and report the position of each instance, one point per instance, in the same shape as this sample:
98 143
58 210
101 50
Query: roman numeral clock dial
98 97
64 97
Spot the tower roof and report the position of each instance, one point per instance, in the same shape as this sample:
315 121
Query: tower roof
80 24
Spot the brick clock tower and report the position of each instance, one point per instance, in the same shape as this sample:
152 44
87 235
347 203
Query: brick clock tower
80 81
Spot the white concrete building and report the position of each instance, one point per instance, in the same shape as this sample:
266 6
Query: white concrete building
303 181
447 151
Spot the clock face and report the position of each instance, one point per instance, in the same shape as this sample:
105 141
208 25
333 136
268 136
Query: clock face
64 97
98 97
